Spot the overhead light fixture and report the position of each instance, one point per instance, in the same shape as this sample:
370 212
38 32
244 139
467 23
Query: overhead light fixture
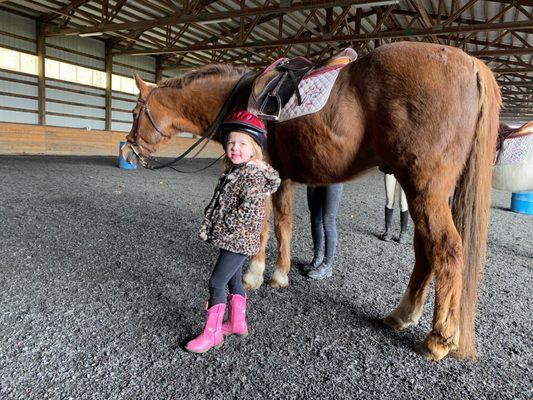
378 3
214 21
88 34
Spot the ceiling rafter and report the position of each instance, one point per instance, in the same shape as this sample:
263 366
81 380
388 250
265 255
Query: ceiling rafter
71 7
181 18
341 38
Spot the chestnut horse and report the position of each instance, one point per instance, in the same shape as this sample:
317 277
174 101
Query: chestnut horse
428 111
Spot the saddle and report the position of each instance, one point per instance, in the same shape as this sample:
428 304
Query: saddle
276 85
505 132
279 82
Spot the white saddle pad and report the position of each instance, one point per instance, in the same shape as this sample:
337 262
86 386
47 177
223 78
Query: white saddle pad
513 170
515 150
314 88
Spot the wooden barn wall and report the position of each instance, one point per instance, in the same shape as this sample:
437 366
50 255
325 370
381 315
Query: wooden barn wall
21 139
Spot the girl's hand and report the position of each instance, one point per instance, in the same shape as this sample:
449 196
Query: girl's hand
203 236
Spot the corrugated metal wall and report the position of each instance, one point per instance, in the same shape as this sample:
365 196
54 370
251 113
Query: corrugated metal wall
123 103
85 108
67 104
71 104
22 29
18 92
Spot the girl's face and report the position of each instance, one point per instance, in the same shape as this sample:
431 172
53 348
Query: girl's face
238 148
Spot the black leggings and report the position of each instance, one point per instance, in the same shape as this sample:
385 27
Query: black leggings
323 202
227 272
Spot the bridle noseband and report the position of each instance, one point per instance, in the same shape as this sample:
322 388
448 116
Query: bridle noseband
137 121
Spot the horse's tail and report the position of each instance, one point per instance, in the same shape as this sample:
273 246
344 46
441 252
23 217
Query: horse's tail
471 202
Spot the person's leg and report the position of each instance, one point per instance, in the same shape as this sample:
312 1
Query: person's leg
315 196
330 208
227 265
236 323
390 190
404 217
235 285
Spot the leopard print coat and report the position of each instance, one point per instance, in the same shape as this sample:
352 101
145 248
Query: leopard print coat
234 217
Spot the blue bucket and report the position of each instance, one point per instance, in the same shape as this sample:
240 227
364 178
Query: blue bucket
522 202
123 163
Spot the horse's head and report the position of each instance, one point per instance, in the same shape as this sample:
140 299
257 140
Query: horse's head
184 104
155 120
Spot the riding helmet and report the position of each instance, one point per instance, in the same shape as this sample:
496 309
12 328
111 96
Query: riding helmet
245 122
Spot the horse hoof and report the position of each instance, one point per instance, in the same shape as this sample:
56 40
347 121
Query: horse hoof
252 282
433 348
400 319
279 280
253 278
422 349
397 324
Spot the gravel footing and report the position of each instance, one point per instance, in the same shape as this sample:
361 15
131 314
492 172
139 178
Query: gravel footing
103 280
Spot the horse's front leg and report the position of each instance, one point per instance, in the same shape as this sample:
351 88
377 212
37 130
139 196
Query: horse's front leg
253 278
282 204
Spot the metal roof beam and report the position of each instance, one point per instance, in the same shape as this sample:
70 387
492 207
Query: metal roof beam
180 18
63 11
503 52
340 38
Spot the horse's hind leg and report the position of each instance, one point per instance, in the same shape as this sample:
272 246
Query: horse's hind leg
253 278
282 203
409 311
442 243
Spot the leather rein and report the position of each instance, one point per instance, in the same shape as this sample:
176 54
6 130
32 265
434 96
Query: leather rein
207 135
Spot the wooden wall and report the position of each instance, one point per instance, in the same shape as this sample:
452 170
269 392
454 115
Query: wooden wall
49 140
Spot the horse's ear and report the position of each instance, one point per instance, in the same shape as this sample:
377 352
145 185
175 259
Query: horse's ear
142 86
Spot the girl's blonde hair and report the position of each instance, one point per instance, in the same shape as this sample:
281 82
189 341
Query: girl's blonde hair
258 153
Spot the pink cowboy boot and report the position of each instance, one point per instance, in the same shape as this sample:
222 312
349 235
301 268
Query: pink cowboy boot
236 323
212 333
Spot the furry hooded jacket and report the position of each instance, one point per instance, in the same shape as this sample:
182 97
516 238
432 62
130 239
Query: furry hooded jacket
233 218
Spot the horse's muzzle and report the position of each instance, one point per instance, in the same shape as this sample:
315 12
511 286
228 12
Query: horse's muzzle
128 154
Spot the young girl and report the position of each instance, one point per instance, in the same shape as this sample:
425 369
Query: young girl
233 221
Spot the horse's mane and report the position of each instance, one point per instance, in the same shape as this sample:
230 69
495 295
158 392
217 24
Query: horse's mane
221 70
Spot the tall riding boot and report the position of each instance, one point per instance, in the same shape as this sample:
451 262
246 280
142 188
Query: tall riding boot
236 323
386 236
211 336
404 220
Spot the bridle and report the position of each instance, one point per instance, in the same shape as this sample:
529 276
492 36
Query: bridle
208 135
137 123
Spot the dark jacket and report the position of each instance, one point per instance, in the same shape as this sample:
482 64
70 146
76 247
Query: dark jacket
234 217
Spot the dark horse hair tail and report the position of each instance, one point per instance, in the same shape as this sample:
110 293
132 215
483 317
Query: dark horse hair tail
471 203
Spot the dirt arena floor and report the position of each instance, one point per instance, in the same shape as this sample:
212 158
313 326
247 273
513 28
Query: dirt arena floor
102 281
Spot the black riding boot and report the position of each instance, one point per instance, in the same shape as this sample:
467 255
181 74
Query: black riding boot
386 236
404 220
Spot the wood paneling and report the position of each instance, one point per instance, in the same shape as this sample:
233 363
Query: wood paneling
49 140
